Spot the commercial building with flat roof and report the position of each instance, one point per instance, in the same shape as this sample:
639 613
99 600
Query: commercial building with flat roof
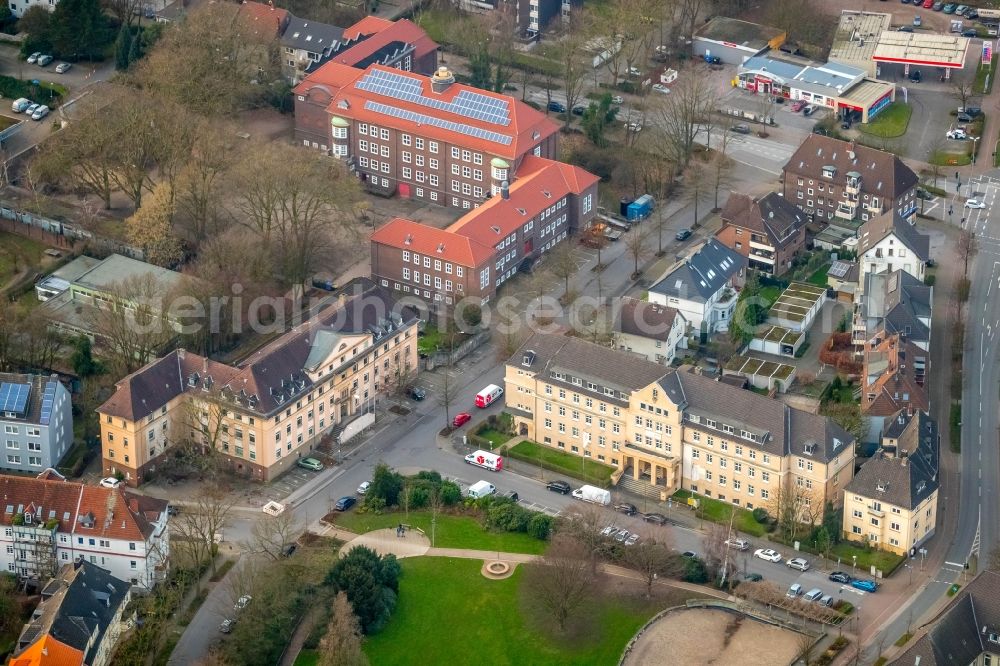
912 48
856 38
733 41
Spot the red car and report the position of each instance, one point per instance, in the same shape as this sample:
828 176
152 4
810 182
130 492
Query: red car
461 419
797 106
928 4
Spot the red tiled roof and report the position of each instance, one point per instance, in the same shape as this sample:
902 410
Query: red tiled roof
527 126
267 15
48 651
538 184
429 240
117 514
380 33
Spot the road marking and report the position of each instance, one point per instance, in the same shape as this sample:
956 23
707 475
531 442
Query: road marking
953 564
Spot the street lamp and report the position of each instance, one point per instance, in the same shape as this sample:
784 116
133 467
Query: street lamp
975 144
855 558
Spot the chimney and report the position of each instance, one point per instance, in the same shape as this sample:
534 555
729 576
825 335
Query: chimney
441 79
505 190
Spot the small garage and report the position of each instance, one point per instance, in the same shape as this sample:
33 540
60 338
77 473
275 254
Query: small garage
733 41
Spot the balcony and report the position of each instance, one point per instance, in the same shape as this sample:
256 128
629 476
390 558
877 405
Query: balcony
845 212
762 255
878 513
853 186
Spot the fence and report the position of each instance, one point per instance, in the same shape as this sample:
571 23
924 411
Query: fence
437 358
59 233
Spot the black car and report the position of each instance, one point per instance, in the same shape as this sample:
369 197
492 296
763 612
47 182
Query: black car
970 33
971 13
840 577
916 76
656 518
345 503
172 510
973 111
683 234
845 125
964 118
741 129
557 107
627 508
904 28
512 494
579 109
753 577
417 393
559 487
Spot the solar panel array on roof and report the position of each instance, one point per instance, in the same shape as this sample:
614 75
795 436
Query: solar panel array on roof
14 398
839 269
466 103
424 119
48 398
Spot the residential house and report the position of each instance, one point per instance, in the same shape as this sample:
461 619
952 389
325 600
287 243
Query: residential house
83 608
473 257
842 277
665 429
769 231
275 406
887 243
894 378
426 138
840 181
401 45
891 503
653 331
966 631
527 18
702 286
264 18
305 43
47 651
36 415
115 282
49 522
894 303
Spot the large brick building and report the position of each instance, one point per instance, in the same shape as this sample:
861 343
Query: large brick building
769 231
836 180
546 201
427 138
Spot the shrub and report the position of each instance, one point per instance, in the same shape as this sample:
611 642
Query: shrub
929 280
760 515
694 571
508 516
419 497
386 486
540 526
451 493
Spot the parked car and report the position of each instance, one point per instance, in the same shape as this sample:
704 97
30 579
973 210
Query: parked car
110 482
557 107
627 508
33 58
904 28
634 71
63 67
242 602
656 518
635 127
31 108
916 21
40 112
20 104
916 76
617 99
975 203
742 128
227 626
767 554
808 110
713 60
813 594
937 6
949 8
683 234
865 585
345 503
928 4
325 285
609 531
417 393
363 488
845 124
632 540
310 464
970 32
840 577
622 535
461 419
797 105
173 510
964 118
800 563
579 109
738 544
826 600
44 60
958 134
558 486
660 88
972 13
973 111
689 554
794 590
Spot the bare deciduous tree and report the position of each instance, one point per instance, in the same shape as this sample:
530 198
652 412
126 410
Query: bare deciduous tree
651 558
270 534
680 115
199 526
131 326
560 582
562 264
635 244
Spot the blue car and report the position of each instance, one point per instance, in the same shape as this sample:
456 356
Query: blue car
345 503
866 585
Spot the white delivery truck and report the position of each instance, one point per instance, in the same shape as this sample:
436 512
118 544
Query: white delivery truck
486 460
593 495
481 489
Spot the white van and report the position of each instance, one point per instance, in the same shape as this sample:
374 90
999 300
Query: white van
481 489
486 460
488 395
20 104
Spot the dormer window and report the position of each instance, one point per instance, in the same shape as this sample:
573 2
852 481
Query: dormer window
809 448
881 487
528 359
829 171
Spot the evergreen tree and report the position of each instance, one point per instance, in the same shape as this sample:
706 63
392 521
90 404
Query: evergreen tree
136 51
481 71
123 48
78 29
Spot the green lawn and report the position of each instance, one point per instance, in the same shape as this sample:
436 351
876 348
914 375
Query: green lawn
17 253
494 436
429 341
891 122
819 277
570 464
942 158
447 612
449 532
721 512
307 658
884 561
770 294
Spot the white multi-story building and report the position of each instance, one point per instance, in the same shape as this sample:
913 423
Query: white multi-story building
48 522
36 421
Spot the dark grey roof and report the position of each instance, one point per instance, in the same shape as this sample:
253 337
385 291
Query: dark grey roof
844 271
877 228
702 274
779 429
771 215
90 603
903 481
967 627
645 319
882 174
310 35
546 354
897 302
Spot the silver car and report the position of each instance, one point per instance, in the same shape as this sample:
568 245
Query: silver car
63 67
44 60
40 112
